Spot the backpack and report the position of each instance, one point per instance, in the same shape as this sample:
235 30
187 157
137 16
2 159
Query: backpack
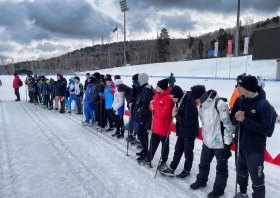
20 83
273 114
221 123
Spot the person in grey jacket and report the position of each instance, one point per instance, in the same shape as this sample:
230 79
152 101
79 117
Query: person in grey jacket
99 111
217 131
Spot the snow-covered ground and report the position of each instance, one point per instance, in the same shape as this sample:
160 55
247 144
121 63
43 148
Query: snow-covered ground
46 154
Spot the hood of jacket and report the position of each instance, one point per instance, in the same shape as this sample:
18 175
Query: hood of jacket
208 98
150 87
72 81
123 87
166 92
143 78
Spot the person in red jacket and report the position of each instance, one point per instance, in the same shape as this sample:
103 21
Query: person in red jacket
16 87
161 106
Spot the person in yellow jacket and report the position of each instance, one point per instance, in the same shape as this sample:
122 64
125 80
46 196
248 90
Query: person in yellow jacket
235 94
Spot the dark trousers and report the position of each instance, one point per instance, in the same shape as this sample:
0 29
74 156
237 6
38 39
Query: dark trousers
132 127
156 139
251 163
78 103
99 112
206 158
48 101
143 135
17 93
186 146
119 123
30 94
111 117
36 97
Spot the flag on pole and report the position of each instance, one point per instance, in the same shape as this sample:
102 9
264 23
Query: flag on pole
116 29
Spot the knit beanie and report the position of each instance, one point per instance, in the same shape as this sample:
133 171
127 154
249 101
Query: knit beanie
60 76
96 75
91 80
135 77
250 83
163 84
198 91
117 77
176 92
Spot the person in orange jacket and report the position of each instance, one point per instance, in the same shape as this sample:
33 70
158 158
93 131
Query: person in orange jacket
161 106
235 94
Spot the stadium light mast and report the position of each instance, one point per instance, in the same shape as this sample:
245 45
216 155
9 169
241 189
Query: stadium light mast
237 30
124 9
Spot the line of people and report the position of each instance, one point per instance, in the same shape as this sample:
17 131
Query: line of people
152 112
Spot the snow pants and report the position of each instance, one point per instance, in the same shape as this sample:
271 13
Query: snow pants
119 123
30 94
71 98
17 93
206 158
186 146
78 103
251 163
155 140
87 113
111 117
99 112
143 135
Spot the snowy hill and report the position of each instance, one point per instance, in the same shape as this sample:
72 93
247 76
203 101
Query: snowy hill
46 154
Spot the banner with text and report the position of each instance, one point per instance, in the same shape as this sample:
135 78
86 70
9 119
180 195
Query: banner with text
229 47
246 45
216 49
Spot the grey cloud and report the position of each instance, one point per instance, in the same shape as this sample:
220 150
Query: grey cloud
178 22
6 47
48 47
27 21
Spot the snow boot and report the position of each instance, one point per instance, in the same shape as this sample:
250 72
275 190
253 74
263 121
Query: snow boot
167 172
239 195
130 138
139 146
162 166
116 133
85 124
144 161
109 129
183 175
45 107
120 136
196 186
134 143
215 195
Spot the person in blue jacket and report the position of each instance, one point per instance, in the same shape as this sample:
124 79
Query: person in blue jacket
72 93
108 95
88 105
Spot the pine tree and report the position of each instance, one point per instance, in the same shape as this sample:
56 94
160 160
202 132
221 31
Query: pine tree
163 43
200 49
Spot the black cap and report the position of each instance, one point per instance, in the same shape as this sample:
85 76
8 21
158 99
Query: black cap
198 91
250 83
57 74
171 74
101 76
135 77
35 75
163 84
28 74
176 92
77 78
108 78
88 74
117 77
91 80
15 74
96 75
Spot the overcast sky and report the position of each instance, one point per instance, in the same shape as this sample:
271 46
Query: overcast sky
32 29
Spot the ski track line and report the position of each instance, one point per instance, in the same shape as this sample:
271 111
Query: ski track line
9 176
121 151
63 151
202 192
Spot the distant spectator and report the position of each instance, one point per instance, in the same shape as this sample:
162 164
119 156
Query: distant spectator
16 87
261 83
117 77
171 80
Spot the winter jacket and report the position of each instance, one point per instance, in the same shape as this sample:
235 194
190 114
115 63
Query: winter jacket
51 87
261 82
128 94
162 108
78 89
98 88
118 104
16 81
35 86
142 111
211 121
234 96
86 84
171 81
60 87
88 104
187 124
72 85
28 82
108 95
43 85
254 128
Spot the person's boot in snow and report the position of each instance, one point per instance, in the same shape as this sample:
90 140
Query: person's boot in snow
109 129
215 195
162 166
85 124
184 174
139 146
144 161
141 153
168 172
196 186
134 143
116 134
130 138
240 195
121 135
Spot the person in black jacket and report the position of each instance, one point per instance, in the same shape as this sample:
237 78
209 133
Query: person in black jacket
60 88
128 94
86 82
187 129
253 129
143 116
36 90
99 109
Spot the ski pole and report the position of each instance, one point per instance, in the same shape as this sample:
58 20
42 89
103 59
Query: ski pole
128 131
151 140
101 113
25 93
169 130
237 158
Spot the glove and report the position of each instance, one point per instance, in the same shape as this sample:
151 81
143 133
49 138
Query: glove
226 152
100 94
114 111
